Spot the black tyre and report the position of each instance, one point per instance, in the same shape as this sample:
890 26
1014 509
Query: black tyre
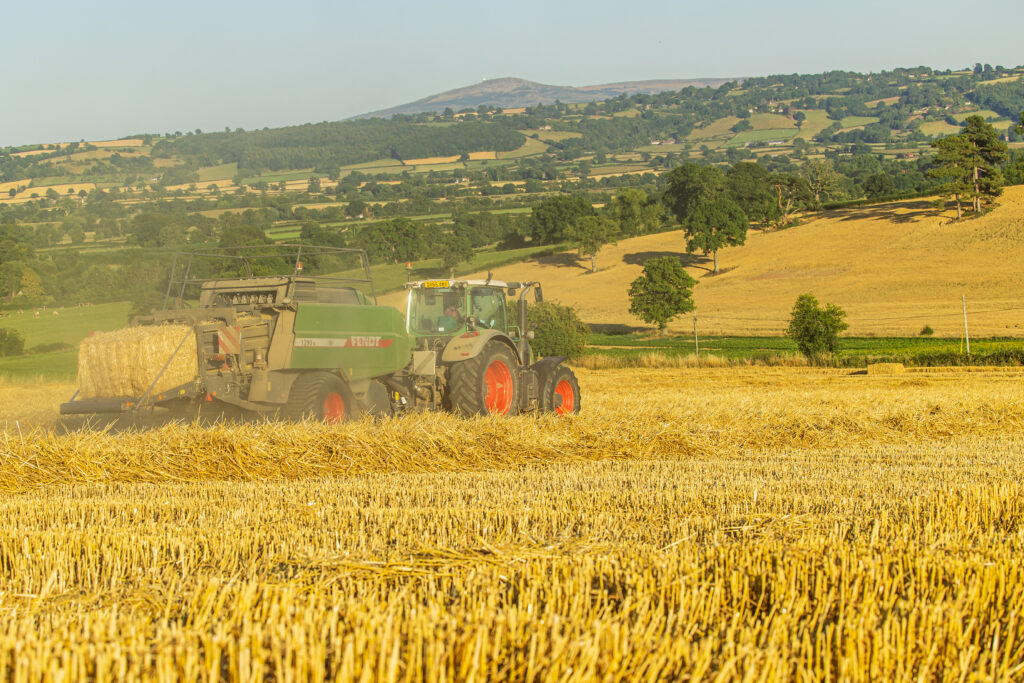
321 396
487 384
560 392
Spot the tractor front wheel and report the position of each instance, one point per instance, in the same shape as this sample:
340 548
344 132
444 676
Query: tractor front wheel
487 384
322 396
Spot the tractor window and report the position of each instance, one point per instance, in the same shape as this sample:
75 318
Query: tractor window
436 311
487 305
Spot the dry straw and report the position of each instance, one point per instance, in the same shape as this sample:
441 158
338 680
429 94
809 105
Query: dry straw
126 362
768 524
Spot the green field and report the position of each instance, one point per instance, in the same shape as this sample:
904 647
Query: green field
854 121
55 365
817 120
70 325
761 136
853 350
278 177
221 172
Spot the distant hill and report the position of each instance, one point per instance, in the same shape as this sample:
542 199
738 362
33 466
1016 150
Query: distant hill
509 93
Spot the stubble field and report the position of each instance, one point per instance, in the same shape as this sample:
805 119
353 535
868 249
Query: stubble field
690 524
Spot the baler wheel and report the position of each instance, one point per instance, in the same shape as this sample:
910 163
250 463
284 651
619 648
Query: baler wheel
322 396
486 384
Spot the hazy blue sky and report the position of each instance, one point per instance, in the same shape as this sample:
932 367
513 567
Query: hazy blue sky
102 69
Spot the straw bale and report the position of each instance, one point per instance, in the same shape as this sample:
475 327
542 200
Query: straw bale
125 362
886 369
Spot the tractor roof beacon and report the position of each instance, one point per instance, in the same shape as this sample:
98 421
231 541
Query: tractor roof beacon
278 339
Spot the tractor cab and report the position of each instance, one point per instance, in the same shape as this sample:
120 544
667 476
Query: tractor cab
445 308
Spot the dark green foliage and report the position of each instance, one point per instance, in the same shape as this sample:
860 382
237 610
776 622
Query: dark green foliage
689 185
969 164
454 249
11 342
662 292
327 145
879 185
558 330
927 331
550 219
814 328
749 185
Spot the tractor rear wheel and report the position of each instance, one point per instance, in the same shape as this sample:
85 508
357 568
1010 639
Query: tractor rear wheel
487 384
562 392
322 396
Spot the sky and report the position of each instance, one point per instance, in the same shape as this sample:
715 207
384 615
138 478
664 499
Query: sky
99 70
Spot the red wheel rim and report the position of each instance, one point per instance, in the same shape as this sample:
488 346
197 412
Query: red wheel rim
334 407
499 388
564 389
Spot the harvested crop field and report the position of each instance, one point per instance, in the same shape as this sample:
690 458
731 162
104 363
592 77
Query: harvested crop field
695 524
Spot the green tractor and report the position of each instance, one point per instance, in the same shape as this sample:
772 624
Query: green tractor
484 361
301 344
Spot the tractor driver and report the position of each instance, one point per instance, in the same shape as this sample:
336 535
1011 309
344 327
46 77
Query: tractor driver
452 319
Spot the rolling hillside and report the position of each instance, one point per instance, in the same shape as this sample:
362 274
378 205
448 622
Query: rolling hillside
893 267
518 92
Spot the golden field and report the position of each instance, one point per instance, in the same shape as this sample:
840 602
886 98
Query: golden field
727 524
892 267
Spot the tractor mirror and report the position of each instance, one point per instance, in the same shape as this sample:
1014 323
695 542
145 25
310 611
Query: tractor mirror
538 294
512 291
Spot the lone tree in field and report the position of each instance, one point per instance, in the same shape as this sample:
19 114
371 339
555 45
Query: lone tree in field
699 197
969 163
952 165
590 233
814 328
989 152
664 291
713 225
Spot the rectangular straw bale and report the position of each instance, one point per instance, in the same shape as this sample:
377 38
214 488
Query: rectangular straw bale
886 369
125 362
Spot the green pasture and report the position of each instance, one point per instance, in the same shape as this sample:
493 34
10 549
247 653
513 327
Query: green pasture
54 365
716 128
854 121
852 350
69 326
529 148
278 177
771 121
983 113
221 172
552 135
817 120
939 128
746 136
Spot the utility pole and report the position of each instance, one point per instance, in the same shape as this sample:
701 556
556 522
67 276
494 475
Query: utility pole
696 344
967 335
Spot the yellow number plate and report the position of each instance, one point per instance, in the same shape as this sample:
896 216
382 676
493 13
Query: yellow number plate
436 283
